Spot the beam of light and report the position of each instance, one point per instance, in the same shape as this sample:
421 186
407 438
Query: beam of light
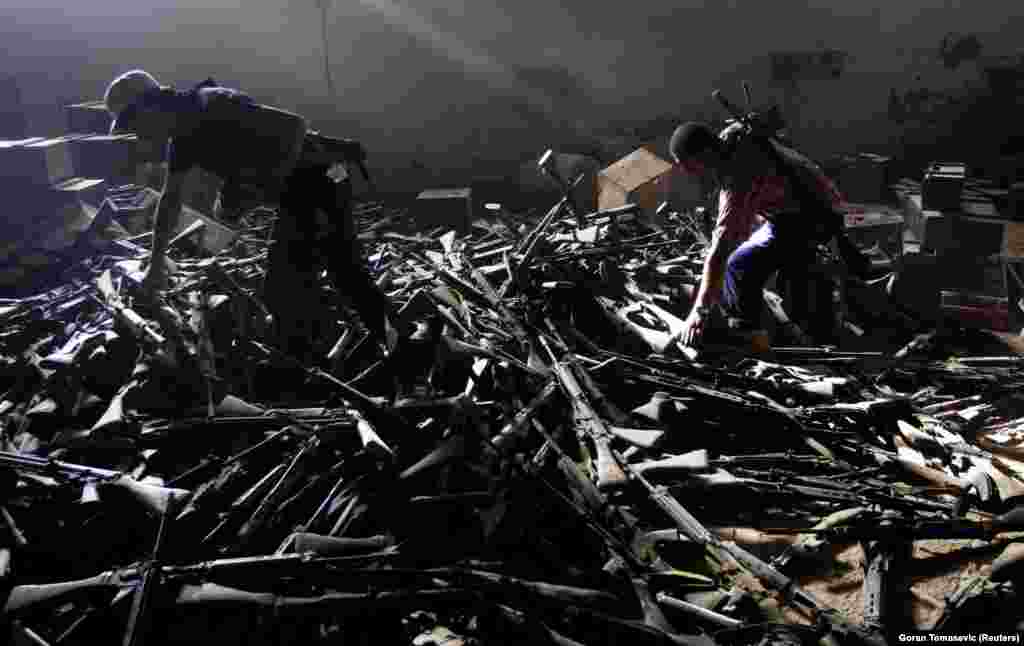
453 48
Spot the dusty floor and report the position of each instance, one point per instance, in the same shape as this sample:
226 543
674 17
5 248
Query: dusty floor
937 570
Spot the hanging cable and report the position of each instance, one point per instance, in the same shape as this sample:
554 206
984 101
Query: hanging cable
325 39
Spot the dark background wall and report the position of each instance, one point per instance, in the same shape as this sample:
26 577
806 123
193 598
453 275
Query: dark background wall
439 88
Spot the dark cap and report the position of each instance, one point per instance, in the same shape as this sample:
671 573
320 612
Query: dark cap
691 139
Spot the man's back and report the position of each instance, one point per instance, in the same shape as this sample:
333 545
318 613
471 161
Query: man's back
226 133
755 171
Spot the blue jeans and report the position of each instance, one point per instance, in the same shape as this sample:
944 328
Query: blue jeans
754 262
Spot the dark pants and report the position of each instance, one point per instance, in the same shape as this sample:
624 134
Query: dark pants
303 249
771 249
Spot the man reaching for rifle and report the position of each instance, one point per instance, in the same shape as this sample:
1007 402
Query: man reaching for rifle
228 134
774 208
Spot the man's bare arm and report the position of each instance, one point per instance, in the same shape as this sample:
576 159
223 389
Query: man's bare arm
733 213
710 290
168 214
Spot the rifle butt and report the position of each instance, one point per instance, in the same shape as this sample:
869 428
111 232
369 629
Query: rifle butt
609 473
372 442
155 499
1009 566
688 462
333 546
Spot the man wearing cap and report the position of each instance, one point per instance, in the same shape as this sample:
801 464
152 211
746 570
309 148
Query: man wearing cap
226 133
765 224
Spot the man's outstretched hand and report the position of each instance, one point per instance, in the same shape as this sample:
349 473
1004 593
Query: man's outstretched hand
693 329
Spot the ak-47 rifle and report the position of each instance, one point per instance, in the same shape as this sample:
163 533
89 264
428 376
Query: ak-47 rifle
870 528
832 355
155 498
881 560
110 299
243 580
589 424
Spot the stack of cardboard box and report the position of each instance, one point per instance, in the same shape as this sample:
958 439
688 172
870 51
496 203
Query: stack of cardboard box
45 202
966 227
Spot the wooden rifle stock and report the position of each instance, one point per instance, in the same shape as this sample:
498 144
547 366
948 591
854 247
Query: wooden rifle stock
686 463
23 597
320 545
588 423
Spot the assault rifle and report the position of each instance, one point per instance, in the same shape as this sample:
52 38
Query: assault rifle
111 300
874 528
588 423
156 499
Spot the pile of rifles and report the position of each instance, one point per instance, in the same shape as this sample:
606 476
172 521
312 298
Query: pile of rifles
535 460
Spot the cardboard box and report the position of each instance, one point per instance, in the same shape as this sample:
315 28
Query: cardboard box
1013 245
201 190
214 237
38 162
111 157
978 236
863 177
1015 202
964 271
976 315
917 284
447 208
50 216
1014 278
131 207
640 177
871 224
943 186
932 230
